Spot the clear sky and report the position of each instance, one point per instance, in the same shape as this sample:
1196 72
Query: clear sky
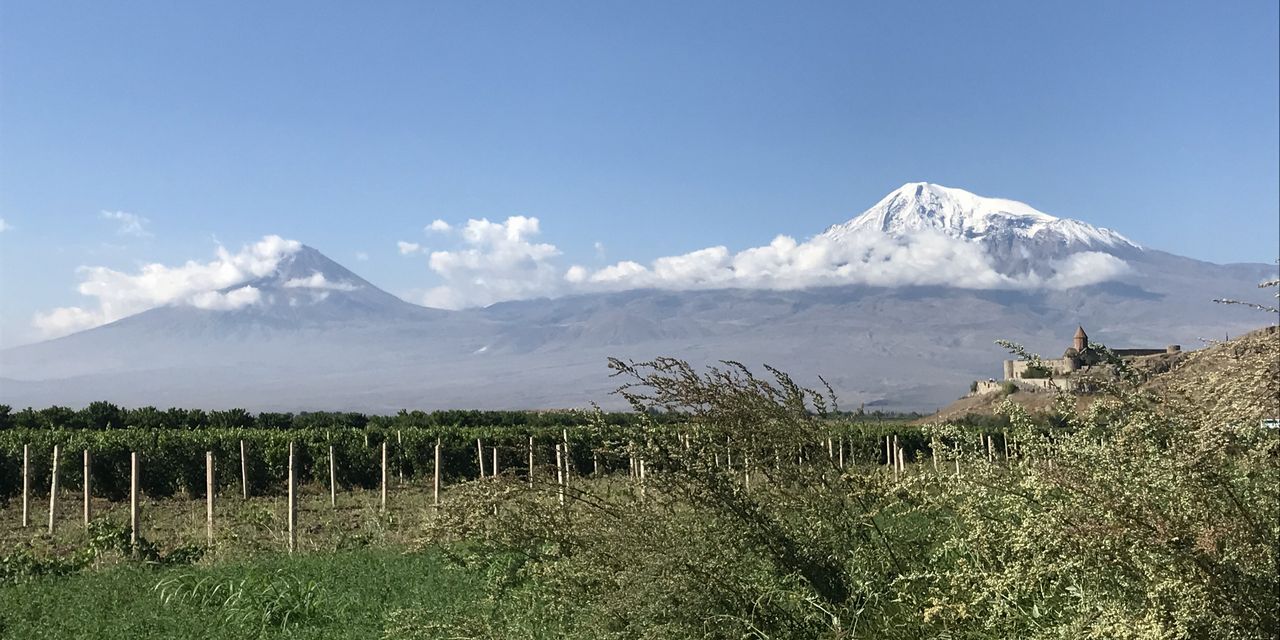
148 132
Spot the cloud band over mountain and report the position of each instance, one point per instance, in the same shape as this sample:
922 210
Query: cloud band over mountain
918 235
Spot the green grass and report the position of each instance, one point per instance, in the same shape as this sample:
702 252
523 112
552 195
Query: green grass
347 594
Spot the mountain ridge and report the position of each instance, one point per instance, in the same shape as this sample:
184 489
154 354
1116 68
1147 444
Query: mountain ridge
316 335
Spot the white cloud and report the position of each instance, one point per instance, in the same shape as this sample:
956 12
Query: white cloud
317 281
129 224
502 262
1086 268
920 259
119 294
498 261
408 248
64 320
439 226
5 226
234 299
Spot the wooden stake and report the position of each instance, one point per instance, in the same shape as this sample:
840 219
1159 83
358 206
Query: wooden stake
88 491
26 485
293 501
53 489
643 488
530 462
746 472
933 454
494 468
897 455
568 458
841 452
399 457
1005 434
208 492
383 504
595 464
480 456
560 473
436 470
133 497
244 474
333 479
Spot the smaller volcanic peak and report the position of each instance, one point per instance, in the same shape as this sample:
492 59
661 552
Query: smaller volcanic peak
921 206
307 285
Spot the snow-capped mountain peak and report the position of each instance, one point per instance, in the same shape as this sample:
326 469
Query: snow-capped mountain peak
920 206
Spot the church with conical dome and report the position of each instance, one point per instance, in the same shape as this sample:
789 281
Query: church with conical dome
1080 354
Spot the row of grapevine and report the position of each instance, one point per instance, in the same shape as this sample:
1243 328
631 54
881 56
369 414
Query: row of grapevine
174 460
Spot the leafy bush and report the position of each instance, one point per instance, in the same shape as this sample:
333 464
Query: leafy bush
1142 517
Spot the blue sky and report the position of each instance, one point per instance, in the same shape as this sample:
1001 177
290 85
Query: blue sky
630 130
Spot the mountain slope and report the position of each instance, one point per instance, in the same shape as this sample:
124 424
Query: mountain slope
314 335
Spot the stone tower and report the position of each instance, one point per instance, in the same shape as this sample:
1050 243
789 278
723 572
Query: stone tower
1081 340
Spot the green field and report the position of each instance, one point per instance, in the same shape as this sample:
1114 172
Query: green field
346 594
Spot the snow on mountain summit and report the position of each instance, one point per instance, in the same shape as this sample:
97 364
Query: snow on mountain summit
919 206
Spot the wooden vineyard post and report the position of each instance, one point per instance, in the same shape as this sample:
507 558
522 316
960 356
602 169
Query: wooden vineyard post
888 451
643 491
436 471
991 449
133 497
595 463
897 458
88 491
383 502
746 472
333 479
560 473
244 474
1005 434
26 485
494 468
933 454
53 489
841 443
480 456
399 456
568 458
530 462
208 494
293 501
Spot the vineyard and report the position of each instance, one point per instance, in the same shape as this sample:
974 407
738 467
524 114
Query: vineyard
174 459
